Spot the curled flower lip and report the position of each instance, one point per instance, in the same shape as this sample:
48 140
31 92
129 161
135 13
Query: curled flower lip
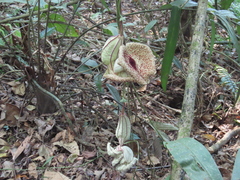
123 157
135 63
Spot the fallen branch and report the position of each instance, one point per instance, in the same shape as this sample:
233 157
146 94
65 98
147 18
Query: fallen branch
214 148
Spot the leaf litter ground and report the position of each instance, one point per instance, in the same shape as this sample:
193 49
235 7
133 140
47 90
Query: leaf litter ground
37 146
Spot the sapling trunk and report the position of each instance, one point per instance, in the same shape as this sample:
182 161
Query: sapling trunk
187 115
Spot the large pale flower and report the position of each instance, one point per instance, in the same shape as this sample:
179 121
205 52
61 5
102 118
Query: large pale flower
135 63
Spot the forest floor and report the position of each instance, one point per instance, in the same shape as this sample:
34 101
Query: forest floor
47 146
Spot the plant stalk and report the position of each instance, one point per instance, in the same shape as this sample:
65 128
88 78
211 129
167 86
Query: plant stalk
187 115
119 15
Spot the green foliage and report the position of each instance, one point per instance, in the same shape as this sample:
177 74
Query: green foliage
15 31
61 26
226 80
235 7
111 29
105 4
47 31
194 158
114 92
87 66
225 4
98 82
172 37
213 34
236 167
150 25
224 16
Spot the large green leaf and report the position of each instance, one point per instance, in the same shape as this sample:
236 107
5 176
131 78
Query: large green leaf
194 158
225 4
223 16
172 37
236 167
61 25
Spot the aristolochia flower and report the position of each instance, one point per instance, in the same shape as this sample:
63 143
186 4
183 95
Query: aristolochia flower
135 63
123 130
123 157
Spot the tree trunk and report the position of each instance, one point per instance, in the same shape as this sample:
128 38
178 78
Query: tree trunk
187 115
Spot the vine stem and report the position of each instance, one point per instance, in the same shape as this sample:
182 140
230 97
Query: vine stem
119 15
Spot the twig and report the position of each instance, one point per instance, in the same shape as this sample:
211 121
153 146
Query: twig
160 104
214 148
35 13
71 3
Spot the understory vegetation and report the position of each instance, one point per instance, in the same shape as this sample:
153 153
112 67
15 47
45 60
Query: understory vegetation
98 89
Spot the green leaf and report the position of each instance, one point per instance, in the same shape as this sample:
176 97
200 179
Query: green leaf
2 43
177 63
105 4
160 133
225 4
50 31
114 92
172 37
150 25
163 126
226 13
111 29
89 62
236 167
184 3
82 43
230 31
63 28
84 69
98 82
213 34
194 158
238 28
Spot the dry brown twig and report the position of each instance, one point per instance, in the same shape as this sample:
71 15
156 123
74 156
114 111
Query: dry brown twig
214 148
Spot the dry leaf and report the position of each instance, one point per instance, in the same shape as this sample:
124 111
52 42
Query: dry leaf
74 57
13 83
45 151
22 147
12 112
2 133
98 174
3 142
10 169
30 107
88 154
209 136
64 135
51 175
44 126
19 89
153 161
32 170
71 147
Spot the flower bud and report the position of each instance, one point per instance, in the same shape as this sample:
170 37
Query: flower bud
123 128
110 49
